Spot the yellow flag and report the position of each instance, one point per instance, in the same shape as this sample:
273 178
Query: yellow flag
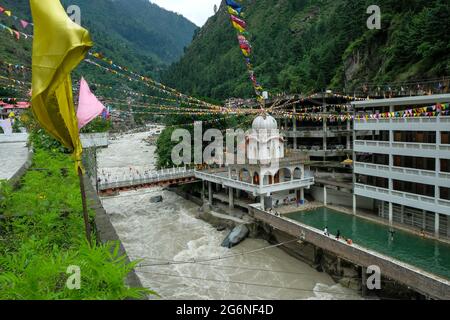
59 45
238 27
232 11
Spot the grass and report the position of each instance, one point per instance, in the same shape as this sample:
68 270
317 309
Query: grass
42 234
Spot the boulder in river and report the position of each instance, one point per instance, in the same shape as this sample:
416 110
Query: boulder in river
156 199
236 236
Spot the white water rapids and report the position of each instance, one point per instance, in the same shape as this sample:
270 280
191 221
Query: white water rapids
169 231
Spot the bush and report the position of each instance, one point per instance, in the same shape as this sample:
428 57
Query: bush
42 234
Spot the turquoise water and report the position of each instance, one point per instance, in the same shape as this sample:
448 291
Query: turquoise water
429 255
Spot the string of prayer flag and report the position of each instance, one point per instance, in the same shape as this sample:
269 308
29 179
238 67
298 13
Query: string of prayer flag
235 11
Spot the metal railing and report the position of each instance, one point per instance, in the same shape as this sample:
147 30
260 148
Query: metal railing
254 188
153 177
386 170
432 204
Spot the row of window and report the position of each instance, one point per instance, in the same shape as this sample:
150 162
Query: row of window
404 161
409 136
404 186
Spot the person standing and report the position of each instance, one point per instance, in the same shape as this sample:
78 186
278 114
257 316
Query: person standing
391 234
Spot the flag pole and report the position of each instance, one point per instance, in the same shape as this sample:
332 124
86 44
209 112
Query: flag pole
87 225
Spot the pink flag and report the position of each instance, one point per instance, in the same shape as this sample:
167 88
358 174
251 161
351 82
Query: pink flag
24 24
88 106
17 34
239 21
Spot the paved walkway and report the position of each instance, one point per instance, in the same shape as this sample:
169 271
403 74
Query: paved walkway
13 154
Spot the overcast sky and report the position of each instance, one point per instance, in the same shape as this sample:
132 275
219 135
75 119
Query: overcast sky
198 11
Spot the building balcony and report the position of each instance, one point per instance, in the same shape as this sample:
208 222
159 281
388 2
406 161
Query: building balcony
404 124
256 190
427 150
403 198
317 152
441 179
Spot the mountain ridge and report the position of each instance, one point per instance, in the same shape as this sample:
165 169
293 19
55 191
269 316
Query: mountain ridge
143 27
303 46
121 31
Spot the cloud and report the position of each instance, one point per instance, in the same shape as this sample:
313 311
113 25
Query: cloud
197 11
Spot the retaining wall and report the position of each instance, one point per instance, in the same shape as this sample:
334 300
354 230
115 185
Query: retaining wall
419 280
105 230
339 198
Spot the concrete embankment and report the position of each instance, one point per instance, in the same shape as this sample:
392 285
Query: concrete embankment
347 264
105 231
15 156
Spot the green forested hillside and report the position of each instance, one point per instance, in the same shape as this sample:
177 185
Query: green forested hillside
134 25
309 45
134 33
139 25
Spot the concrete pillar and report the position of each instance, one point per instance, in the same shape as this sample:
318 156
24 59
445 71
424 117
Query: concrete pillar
229 172
424 219
203 191
436 225
391 214
262 203
210 193
324 134
402 214
238 193
231 198
325 195
349 136
354 159
438 133
363 281
302 194
448 226
294 127
338 266
437 189
294 121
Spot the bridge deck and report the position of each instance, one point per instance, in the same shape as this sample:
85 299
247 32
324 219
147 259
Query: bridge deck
151 178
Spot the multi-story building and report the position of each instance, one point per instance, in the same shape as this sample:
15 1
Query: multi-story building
321 129
316 128
403 163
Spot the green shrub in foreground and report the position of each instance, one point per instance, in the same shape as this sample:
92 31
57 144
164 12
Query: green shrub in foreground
42 234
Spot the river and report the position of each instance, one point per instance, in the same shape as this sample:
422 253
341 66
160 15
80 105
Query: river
169 231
